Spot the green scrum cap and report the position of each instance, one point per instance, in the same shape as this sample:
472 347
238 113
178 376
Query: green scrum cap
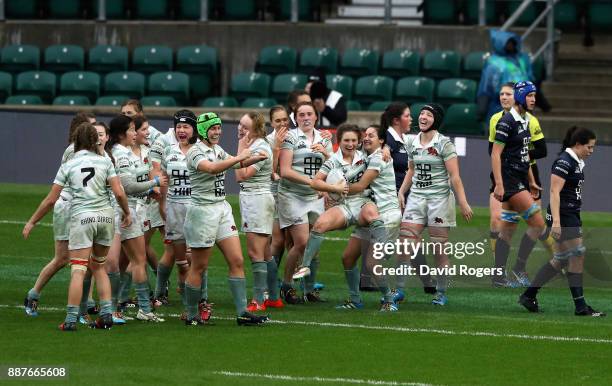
205 122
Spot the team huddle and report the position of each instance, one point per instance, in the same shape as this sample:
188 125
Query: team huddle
120 184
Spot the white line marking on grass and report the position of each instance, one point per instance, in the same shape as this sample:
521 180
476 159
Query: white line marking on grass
317 379
413 330
13 222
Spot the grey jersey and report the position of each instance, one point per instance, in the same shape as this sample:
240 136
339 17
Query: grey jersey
126 162
67 156
143 168
206 188
305 161
383 186
174 164
87 175
430 174
353 171
161 143
261 181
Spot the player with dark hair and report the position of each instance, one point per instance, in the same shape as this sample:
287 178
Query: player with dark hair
564 223
136 185
209 218
433 169
514 178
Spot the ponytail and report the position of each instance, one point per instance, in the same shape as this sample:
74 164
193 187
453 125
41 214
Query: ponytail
576 135
393 111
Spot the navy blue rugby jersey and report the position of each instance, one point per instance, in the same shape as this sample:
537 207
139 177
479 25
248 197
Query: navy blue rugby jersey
513 132
569 167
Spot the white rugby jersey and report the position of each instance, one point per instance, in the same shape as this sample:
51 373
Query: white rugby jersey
174 164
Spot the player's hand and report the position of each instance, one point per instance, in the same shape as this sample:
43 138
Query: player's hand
555 230
326 134
319 148
126 220
402 201
386 154
27 229
281 134
498 192
275 177
163 180
244 154
535 190
466 211
342 188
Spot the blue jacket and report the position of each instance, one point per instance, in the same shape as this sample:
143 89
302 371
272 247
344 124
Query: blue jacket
501 68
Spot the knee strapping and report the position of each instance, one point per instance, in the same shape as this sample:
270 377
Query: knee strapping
577 251
510 216
408 234
98 259
533 209
78 265
182 263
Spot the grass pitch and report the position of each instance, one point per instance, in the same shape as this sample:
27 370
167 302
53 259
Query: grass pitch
481 337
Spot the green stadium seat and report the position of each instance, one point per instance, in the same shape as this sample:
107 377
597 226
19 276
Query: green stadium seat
71 100
283 84
190 9
415 110
197 59
151 9
250 84
112 100
379 106
566 14
276 60
258 103
83 83
472 12
21 9
104 59
462 119
456 90
115 9
201 63
125 83
413 89
149 59
527 17
399 63
64 9
41 83
6 85
373 88
174 84
441 64
158 101
240 10
353 106
440 12
322 57
359 62
305 10
600 14
23 100
214 102
341 83
473 64
64 58
18 58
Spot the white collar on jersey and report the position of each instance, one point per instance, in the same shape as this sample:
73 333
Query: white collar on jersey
317 135
417 141
356 158
404 138
575 156
517 117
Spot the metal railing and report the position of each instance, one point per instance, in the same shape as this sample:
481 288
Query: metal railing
549 44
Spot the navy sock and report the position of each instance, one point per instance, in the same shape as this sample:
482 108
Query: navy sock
544 275
574 280
502 249
525 249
